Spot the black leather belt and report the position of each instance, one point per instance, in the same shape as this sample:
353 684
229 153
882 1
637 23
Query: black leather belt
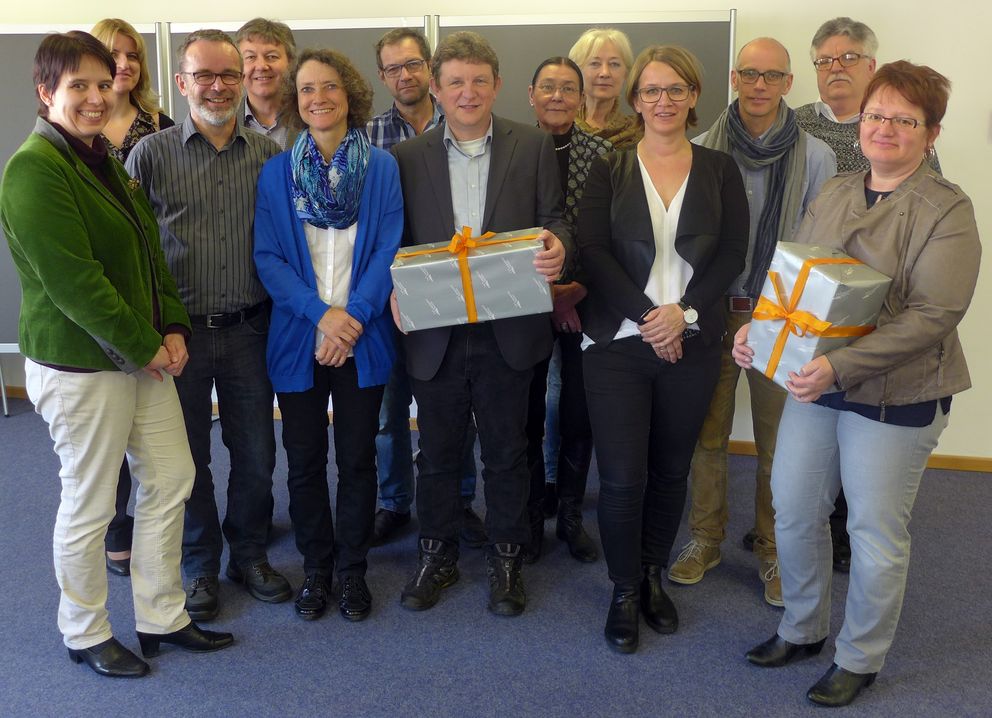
222 321
740 304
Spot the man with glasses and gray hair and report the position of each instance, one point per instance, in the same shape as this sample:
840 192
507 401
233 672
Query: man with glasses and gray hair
200 177
843 54
783 169
403 57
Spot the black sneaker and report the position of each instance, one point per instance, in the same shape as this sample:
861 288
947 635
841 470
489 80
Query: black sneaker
473 533
506 585
262 581
386 524
435 572
311 601
201 598
355 603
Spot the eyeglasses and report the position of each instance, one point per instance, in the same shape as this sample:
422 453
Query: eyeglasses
412 66
848 59
208 78
676 93
771 77
549 90
902 123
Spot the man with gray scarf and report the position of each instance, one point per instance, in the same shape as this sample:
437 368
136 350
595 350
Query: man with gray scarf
783 169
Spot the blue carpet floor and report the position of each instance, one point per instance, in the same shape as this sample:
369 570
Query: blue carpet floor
458 660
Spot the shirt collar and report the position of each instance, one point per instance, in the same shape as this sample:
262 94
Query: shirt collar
394 114
189 130
450 141
824 110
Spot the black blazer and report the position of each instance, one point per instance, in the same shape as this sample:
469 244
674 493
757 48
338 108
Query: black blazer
616 240
523 190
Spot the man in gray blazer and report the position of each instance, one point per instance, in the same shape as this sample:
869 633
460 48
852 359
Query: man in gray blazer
490 174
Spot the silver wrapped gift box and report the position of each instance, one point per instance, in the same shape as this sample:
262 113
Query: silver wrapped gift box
825 300
499 279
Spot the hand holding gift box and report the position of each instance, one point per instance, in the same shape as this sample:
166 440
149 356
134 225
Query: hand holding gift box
470 279
815 299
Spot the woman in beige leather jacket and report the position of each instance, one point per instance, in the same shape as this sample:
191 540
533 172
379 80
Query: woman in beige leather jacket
868 415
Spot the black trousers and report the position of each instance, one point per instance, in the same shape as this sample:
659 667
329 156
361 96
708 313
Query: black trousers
575 450
646 415
473 378
304 436
121 527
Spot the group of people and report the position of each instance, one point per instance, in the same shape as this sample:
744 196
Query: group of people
247 250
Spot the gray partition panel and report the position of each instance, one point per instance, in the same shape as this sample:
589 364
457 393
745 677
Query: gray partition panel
522 47
17 117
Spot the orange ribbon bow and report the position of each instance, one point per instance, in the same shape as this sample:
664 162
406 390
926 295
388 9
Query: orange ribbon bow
797 321
460 244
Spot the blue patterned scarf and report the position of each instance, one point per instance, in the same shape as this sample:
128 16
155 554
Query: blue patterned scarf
329 194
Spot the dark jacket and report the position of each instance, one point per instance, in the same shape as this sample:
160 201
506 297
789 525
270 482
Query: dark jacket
616 240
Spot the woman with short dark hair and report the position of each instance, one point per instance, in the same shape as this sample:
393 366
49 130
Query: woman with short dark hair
104 332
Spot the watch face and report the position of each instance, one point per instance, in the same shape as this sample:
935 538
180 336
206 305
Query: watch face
691 316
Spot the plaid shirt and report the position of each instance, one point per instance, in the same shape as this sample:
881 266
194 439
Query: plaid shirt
390 128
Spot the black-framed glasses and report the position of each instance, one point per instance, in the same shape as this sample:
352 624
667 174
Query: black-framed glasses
412 66
208 78
902 123
847 59
549 89
676 93
771 77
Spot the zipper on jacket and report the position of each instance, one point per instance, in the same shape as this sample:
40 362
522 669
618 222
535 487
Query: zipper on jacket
881 416
940 365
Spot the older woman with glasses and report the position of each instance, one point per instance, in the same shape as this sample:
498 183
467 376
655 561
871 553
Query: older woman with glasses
605 56
662 233
135 113
556 93
328 221
867 416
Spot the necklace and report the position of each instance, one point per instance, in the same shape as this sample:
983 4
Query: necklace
564 146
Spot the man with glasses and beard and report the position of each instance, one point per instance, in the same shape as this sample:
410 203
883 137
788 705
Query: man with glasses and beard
200 177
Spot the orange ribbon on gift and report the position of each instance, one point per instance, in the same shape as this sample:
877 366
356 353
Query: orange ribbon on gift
797 321
460 244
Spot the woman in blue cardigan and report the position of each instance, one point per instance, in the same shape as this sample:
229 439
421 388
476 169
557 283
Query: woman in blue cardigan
328 220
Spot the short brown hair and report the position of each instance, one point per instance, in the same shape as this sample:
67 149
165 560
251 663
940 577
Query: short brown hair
920 85
399 35
62 53
207 35
355 86
270 31
466 46
685 64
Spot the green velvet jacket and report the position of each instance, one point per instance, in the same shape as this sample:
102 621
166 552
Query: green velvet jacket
90 274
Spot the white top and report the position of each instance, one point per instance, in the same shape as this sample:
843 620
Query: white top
669 272
331 251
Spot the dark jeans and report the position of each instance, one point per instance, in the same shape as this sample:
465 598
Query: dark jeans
394 447
473 377
233 359
122 525
575 448
646 415
304 436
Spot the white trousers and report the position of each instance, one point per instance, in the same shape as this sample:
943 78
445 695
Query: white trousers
880 467
94 418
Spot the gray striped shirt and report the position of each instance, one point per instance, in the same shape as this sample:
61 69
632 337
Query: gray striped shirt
205 204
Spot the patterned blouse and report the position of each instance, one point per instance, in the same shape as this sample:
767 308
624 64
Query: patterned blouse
582 148
144 124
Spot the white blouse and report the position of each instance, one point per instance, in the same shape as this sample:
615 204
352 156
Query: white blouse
331 251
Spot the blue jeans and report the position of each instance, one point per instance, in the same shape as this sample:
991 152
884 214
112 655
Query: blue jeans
233 359
394 446
880 467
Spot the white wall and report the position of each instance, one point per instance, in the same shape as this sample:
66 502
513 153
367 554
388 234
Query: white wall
952 36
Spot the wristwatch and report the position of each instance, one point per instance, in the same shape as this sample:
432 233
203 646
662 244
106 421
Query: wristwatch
690 314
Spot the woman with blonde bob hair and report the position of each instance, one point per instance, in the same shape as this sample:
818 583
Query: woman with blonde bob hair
605 57
136 112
